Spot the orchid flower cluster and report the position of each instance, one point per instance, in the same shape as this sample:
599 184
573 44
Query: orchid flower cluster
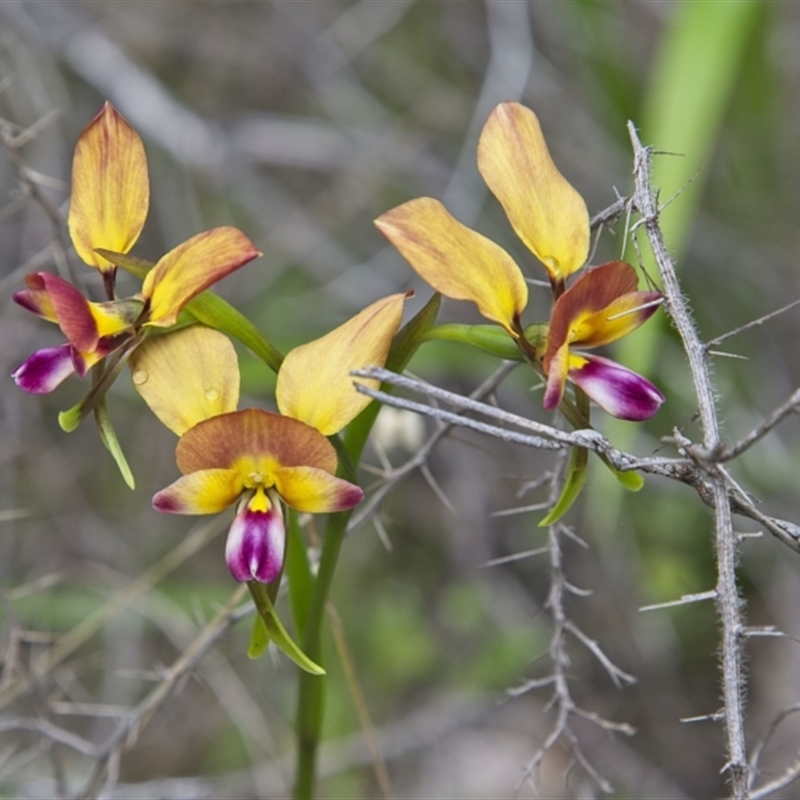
252 459
173 334
552 220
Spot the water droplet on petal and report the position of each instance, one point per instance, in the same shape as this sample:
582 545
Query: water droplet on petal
139 377
212 395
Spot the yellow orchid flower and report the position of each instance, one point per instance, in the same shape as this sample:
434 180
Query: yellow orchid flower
603 305
108 207
254 458
544 209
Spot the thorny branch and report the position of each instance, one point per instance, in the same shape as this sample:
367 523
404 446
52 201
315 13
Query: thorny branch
729 605
698 465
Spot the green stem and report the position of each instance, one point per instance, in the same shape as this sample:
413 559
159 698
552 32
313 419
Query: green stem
311 699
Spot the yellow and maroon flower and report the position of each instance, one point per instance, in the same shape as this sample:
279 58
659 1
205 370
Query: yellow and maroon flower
547 213
93 330
254 459
603 305
108 207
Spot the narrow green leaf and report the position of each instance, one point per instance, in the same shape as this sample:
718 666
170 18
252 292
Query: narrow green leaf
576 477
212 310
411 335
491 339
632 481
138 267
259 639
276 632
108 437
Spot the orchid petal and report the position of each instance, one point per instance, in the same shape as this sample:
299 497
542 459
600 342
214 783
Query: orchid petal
600 307
187 376
45 370
621 392
110 188
315 491
84 323
35 298
190 268
457 261
544 209
314 382
556 378
253 441
207 491
256 544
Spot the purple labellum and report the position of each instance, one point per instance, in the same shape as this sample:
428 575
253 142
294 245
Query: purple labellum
256 545
621 392
45 370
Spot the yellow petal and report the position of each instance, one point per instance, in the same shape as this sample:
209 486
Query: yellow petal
314 382
315 491
542 207
455 260
191 268
208 491
187 376
110 188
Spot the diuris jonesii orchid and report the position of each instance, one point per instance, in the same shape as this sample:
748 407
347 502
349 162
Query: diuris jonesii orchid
551 218
108 206
257 459
602 306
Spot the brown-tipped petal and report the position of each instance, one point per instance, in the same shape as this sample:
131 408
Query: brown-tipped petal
191 268
315 491
253 441
314 382
600 307
187 376
110 188
457 261
542 206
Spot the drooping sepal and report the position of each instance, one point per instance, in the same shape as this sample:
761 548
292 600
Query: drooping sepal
277 633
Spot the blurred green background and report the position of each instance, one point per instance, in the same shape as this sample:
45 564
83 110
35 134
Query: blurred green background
300 122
